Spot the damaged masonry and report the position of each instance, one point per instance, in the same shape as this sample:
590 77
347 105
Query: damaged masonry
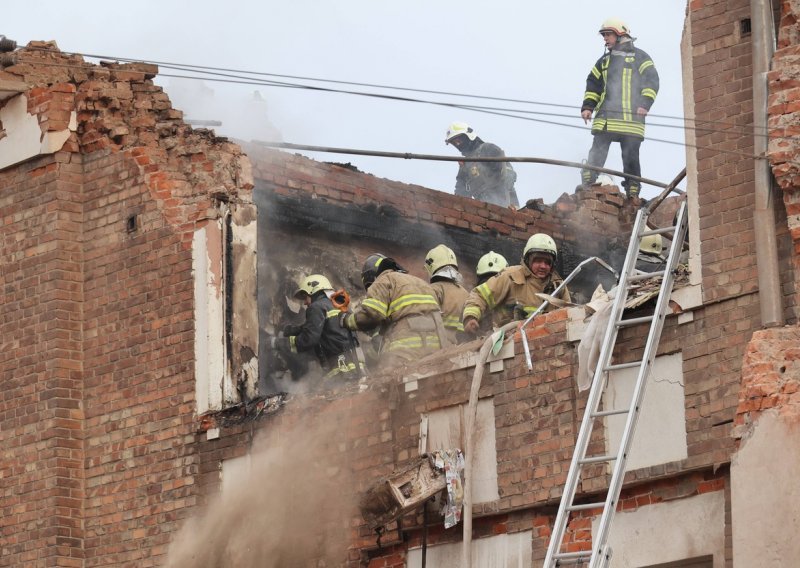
140 426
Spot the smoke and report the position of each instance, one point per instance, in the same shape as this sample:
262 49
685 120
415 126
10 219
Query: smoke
292 509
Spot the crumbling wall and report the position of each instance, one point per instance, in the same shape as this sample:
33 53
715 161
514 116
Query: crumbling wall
767 427
97 416
784 114
537 415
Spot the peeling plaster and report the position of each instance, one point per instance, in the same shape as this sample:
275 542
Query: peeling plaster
209 344
24 138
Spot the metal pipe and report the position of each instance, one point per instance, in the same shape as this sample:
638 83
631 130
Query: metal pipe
439 158
765 228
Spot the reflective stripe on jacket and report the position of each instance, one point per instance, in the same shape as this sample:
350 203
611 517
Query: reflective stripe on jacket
621 81
513 290
404 307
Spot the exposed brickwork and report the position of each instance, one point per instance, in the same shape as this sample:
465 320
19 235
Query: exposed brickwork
784 114
96 415
770 376
722 67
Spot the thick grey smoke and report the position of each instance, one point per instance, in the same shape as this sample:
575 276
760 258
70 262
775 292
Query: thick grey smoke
293 509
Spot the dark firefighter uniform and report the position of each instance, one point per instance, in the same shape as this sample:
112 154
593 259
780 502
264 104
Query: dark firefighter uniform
322 334
511 295
621 81
406 311
492 182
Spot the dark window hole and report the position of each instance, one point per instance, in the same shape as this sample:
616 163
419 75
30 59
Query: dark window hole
744 27
131 224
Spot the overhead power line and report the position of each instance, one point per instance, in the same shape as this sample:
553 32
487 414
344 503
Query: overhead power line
237 74
230 78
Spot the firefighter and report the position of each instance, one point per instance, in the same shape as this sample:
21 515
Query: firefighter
512 294
649 257
442 266
620 89
488 265
402 307
492 182
321 333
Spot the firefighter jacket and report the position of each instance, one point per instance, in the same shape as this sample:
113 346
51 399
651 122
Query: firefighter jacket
405 310
492 182
322 334
451 297
621 81
511 295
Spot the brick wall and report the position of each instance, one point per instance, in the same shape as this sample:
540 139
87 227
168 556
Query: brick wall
97 410
784 112
537 415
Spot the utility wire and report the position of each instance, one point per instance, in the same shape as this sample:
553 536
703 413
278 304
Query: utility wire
247 81
203 68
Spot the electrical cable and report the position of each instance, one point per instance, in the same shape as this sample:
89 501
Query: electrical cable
237 80
209 70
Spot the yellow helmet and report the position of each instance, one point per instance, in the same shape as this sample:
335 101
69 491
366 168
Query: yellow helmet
651 244
439 257
540 243
617 26
312 284
491 263
458 128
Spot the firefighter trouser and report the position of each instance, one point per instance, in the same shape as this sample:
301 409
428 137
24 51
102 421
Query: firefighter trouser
630 159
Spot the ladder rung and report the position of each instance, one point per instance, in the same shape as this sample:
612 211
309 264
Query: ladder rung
585 506
634 321
573 555
660 231
619 366
646 276
597 459
610 412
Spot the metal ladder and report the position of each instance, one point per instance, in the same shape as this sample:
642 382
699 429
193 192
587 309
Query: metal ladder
600 554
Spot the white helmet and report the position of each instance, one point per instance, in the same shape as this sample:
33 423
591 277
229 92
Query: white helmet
438 257
458 128
312 284
491 263
617 26
651 244
540 243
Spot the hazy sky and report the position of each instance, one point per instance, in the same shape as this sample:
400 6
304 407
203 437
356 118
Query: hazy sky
527 50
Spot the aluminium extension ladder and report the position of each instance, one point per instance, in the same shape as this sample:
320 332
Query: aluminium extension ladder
600 554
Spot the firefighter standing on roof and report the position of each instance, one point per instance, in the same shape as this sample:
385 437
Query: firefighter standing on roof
403 307
321 332
512 294
492 182
441 264
620 89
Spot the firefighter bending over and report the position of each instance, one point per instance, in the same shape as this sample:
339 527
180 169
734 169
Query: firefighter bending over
442 266
492 182
404 309
512 294
321 333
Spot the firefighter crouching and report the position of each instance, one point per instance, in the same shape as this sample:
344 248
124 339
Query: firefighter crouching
334 347
512 294
442 266
404 309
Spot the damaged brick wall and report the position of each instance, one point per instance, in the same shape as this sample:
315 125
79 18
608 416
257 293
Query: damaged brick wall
784 114
722 96
537 415
97 412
